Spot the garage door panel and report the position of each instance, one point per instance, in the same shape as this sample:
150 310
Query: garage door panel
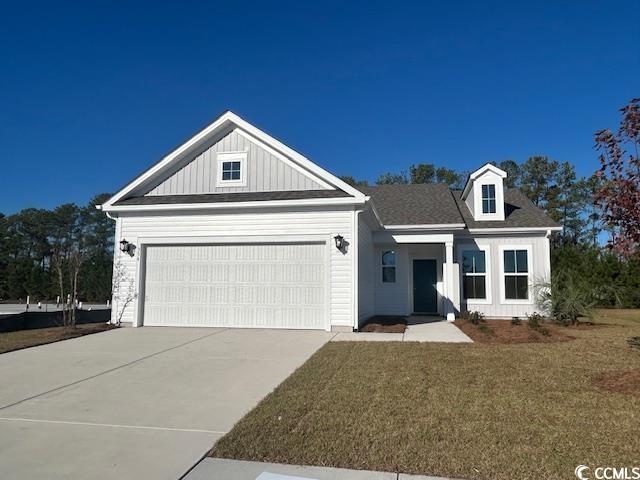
250 285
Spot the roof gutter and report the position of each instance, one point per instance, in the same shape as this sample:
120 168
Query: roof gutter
234 205
433 226
515 230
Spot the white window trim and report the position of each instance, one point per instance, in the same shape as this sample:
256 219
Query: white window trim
494 198
511 301
487 263
394 266
232 157
499 195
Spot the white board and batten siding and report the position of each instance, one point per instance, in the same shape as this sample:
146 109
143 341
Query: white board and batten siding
539 272
265 171
301 228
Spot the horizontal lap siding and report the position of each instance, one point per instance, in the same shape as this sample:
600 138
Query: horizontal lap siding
327 224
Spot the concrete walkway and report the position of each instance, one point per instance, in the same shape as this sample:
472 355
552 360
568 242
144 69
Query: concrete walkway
136 403
419 329
223 469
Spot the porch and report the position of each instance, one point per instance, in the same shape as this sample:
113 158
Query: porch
417 274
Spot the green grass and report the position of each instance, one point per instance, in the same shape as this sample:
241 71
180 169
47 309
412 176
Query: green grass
525 411
10 341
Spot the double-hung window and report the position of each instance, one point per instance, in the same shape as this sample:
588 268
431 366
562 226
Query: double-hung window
489 198
389 266
516 274
474 274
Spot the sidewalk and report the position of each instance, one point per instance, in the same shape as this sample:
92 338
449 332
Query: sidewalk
419 329
223 469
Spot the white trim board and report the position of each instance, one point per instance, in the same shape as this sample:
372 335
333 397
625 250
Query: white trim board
234 205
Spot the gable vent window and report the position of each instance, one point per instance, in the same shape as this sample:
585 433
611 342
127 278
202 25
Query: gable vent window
389 266
230 171
488 199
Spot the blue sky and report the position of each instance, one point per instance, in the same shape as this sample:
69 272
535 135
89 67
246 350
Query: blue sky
92 93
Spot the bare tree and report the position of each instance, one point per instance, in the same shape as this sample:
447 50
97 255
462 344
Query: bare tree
123 290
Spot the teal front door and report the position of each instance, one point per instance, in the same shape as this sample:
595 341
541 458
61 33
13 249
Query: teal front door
425 279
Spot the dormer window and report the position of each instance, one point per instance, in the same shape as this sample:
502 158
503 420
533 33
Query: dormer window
484 193
232 169
488 199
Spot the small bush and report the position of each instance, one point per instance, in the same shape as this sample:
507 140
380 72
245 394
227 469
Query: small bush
535 321
634 342
474 317
516 321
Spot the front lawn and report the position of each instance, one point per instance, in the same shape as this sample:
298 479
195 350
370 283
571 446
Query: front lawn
474 411
10 341
617 316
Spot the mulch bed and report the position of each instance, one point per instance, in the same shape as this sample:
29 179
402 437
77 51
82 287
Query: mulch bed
385 324
504 332
627 382
10 341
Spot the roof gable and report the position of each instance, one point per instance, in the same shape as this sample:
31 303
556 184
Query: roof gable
265 170
228 121
487 167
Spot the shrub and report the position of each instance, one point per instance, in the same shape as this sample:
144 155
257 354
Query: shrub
535 321
634 342
566 298
516 321
474 317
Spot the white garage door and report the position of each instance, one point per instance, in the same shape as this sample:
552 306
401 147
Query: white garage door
247 285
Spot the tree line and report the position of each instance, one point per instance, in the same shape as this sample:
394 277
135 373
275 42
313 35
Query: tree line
63 252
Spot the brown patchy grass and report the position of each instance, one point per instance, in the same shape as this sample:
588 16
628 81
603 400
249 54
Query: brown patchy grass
385 324
504 332
10 341
623 382
618 316
499 412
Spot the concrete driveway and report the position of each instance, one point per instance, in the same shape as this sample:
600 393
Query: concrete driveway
142 403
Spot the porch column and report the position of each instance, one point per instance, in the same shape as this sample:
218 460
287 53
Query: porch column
448 282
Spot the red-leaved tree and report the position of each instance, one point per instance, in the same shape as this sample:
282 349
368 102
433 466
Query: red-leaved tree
619 196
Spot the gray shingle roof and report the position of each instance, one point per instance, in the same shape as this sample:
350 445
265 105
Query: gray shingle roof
415 204
519 212
430 204
232 197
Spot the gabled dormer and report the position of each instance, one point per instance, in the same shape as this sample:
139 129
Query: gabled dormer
484 193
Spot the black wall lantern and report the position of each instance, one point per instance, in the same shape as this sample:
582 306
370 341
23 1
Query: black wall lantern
339 242
126 247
